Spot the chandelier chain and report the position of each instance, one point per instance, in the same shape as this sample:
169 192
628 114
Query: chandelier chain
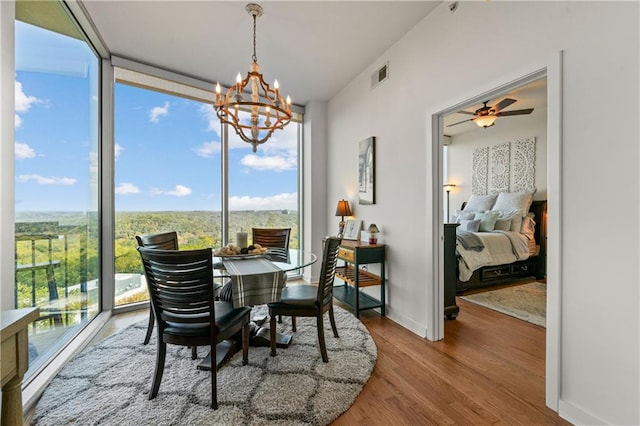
254 57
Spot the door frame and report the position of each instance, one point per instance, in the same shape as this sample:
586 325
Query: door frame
552 68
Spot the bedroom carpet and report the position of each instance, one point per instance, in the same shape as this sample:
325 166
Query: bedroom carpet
527 302
108 384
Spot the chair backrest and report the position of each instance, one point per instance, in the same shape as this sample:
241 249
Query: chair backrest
328 270
163 241
273 238
180 284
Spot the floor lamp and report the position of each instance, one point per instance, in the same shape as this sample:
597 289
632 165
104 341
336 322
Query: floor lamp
448 187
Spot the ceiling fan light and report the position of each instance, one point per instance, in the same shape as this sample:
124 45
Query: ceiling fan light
485 120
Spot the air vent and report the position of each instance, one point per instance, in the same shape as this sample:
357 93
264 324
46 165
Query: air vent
380 75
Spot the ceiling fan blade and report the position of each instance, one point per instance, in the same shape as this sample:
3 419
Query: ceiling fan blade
460 122
503 104
466 112
515 112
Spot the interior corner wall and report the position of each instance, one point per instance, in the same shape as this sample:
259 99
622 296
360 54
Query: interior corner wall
314 183
7 169
505 130
436 66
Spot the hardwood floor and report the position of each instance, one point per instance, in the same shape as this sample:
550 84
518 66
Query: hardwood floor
489 369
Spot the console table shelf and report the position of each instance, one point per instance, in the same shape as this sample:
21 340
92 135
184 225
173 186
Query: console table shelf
355 254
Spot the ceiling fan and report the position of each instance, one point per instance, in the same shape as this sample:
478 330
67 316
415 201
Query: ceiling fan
486 115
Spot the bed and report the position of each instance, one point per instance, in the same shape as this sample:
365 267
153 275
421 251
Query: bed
475 259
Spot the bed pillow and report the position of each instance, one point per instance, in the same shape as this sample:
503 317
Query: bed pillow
487 221
528 227
468 225
502 225
515 216
509 201
461 215
480 203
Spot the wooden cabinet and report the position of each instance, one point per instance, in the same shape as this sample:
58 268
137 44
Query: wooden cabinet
355 254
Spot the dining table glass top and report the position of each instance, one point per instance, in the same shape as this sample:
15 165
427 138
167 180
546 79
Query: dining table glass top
294 259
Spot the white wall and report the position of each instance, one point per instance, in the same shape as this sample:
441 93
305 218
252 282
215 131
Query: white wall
505 130
438 64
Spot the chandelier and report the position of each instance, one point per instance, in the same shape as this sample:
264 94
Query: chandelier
267 108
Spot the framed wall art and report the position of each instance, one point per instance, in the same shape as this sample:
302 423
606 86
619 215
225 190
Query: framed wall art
352 230
367 171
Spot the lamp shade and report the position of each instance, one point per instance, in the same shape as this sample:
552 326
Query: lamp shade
373 229
343 208
485 120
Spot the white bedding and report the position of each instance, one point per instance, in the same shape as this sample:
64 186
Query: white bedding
500 247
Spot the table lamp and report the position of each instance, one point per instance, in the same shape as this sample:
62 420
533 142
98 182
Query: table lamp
342 210
373 233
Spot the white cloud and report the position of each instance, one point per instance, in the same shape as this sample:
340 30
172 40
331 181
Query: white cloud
23 150
276 163
276 202
41 180
178 191
22 102
210 116
117 149
157 112
208 149
126 188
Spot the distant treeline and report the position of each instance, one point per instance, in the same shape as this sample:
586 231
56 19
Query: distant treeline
77 250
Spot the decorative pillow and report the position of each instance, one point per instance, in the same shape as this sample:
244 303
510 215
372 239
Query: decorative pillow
509 201
468 225
487 221
515 216
528 227
460 215
480 203
502 225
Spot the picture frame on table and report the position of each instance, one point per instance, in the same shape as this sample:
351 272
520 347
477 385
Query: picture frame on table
352 230
367 171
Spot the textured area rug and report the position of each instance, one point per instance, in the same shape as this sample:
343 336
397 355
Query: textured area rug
108 384
527 302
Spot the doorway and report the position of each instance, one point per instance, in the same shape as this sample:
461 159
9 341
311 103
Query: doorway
552 70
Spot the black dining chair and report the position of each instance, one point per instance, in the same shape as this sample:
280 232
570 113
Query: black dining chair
309 300
163 241
183 298
276 239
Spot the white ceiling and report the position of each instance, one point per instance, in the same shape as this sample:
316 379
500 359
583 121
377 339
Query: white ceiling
313 48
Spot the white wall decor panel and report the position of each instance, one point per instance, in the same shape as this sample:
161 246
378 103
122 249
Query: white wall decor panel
499 168
480 174
523 173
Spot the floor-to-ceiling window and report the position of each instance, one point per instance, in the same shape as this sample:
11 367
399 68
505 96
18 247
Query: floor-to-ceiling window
167 178
56 176
263 185
169 174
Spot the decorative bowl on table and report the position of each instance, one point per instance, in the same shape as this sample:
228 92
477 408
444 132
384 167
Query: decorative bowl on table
233 251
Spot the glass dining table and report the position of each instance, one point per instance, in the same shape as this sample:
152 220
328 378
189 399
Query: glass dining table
226 268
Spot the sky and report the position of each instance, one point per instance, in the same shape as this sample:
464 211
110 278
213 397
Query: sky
167 148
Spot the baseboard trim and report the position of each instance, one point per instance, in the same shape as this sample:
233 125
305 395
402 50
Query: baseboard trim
408 323
577 415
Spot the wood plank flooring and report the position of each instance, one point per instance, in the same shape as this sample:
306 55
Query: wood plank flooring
489 369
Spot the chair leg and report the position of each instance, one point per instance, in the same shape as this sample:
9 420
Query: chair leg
323 346
272 333
152 320
157 375
293 323
245 344
214 379
333 323
194 352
